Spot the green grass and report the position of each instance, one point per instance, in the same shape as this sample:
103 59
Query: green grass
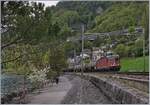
134 64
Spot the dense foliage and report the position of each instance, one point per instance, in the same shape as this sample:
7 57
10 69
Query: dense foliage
119 16
29 40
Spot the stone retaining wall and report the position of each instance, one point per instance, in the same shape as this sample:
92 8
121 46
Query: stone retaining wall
118 93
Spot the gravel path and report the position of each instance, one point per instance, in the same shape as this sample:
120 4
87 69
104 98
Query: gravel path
89 94
51 94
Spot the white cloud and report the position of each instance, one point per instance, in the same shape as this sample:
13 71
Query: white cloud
49 3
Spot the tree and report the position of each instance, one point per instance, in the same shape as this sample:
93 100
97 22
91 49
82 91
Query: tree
138 47
131 29
120 49
25 23
55 59
37 77
88 44
65 32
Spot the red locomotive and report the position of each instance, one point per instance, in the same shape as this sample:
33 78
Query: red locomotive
108 62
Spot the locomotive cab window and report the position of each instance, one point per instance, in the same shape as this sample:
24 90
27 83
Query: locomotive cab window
109 54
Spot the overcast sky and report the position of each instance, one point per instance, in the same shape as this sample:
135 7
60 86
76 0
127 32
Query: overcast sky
49 3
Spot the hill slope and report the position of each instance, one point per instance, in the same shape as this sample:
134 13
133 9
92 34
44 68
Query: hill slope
120 16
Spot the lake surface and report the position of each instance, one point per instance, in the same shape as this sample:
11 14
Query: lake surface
11 83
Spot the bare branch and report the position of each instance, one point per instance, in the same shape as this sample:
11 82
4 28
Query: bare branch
17 58
12 59
13 42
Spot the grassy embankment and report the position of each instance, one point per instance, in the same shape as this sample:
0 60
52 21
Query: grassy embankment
134 64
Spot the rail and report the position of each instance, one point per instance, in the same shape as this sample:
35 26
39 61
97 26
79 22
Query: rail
133 79
132 73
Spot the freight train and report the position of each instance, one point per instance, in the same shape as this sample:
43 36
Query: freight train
107 62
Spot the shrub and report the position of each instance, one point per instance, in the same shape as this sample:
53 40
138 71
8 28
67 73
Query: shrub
121 50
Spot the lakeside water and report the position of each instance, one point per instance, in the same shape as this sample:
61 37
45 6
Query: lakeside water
11 83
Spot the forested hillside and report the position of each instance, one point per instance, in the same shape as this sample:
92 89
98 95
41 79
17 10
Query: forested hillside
101 17
121 16
82 11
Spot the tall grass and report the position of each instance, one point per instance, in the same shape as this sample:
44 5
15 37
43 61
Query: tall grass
134 64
